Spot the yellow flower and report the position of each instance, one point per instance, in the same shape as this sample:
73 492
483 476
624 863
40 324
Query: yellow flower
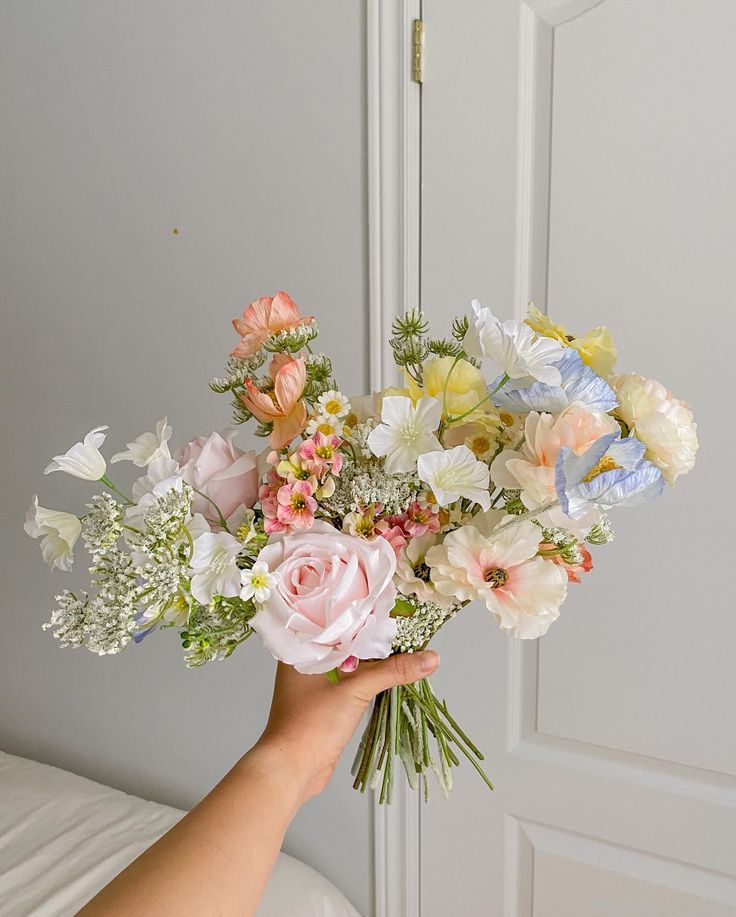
544 325
466 387
598 350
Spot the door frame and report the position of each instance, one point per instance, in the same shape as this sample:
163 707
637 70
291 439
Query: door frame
394 250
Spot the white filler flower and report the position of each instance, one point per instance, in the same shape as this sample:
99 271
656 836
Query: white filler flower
257 582
406 431
518 350
213 567
60 532
454 474
147 447
84 460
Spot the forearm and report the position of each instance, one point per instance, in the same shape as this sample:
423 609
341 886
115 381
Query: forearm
217 859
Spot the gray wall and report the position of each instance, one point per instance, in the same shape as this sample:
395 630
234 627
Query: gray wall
241 124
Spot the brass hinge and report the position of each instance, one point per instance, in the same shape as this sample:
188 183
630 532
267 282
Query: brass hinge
417 51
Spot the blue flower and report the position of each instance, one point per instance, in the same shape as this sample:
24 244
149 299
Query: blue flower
579 383
613 472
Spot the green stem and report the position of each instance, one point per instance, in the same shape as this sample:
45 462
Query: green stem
451 420
108 482
223 523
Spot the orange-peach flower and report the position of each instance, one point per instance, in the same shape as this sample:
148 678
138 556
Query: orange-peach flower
282 407
264 317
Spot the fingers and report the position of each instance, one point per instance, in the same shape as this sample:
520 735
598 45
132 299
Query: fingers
401 669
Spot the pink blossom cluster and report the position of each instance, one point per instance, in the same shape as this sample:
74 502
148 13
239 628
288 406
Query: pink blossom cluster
294 485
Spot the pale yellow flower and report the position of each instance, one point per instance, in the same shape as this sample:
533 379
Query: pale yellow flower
466 388
598 349
544 325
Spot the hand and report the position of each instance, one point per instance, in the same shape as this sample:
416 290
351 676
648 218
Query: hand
312 720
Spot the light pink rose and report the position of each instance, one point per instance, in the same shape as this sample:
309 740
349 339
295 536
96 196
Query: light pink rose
332 601
221 471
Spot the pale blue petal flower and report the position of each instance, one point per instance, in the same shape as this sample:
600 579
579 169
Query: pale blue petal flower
634 481
579 383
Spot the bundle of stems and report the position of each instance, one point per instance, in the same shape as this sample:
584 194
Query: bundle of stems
409 722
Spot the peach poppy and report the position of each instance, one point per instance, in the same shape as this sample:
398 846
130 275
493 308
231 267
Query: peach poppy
264 317
282 407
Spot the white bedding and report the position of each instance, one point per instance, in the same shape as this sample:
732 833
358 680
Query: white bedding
62 838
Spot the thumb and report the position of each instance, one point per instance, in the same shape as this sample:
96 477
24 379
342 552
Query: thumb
401 669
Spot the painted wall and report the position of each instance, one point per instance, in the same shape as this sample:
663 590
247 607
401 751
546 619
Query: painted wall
163 164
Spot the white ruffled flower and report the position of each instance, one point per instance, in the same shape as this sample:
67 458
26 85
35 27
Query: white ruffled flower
83 460
257 582
213 567
519 351
147 447
407 430
663 423
58 531
455 474
524 592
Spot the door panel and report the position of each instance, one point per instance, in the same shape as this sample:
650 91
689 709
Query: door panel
604 189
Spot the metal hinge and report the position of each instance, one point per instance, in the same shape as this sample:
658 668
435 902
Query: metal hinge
417 51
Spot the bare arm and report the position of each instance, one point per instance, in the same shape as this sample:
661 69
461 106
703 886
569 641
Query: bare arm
217 859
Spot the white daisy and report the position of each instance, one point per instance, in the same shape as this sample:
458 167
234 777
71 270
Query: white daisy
333 404
257 582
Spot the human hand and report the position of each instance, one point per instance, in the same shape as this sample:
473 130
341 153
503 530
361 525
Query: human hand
312 720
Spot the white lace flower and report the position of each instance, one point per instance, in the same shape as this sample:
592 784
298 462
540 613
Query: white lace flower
455 474
333 404
519 351
147 447
213 567
257 582
406 432
58 531
83 460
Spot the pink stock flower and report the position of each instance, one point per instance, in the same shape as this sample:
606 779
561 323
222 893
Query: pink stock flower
282 407
225 476
321 454
296 505
269 504
264 317
333 599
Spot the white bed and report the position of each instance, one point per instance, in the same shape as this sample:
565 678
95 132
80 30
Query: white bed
63 837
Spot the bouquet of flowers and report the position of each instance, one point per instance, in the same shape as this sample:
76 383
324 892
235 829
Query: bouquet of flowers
369 522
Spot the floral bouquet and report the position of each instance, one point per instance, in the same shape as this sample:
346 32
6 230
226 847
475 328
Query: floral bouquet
369 522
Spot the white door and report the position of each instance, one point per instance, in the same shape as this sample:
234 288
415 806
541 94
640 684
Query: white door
581 154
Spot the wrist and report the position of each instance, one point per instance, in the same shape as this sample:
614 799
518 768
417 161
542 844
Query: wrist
278 766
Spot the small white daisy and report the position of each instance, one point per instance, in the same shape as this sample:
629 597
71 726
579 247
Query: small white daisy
328 424
333 404
257 583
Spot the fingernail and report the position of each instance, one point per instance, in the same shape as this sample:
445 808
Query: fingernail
428 661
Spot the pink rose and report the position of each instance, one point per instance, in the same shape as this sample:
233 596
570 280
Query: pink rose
332 600
221 471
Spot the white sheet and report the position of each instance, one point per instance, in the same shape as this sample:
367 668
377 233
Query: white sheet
62 838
